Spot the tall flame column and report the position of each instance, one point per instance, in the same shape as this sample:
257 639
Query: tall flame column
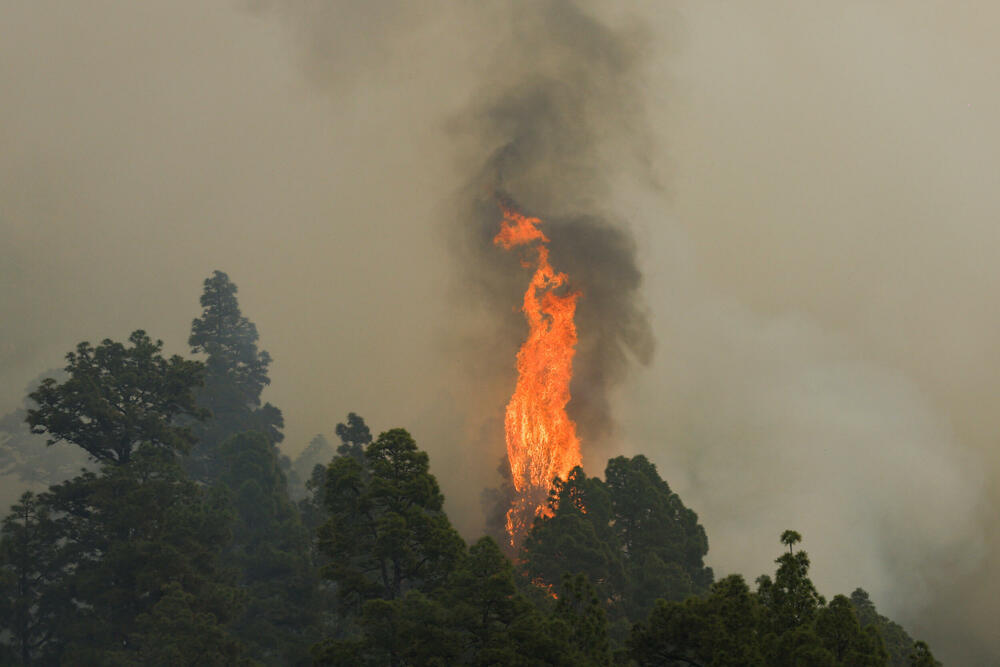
541 438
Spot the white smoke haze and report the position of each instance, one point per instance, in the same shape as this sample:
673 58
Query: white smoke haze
811 189
770 422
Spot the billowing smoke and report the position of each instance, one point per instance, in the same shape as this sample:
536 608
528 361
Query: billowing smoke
763 421
558 112
820 279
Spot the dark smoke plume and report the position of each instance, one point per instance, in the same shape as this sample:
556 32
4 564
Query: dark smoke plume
823 272
559 115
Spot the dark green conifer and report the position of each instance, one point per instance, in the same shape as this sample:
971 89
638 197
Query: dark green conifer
105 545
235 376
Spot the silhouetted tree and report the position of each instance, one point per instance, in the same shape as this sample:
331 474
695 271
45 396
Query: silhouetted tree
841 634
630 535
237 450
576 537
117 398
663 544
113 539
271 549
178 631
721 629
583 613
235 376
34 599
791 599
354 437
387 533
900 645
922 656
785 623
129 531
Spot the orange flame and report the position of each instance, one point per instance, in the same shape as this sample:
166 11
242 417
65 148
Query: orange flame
541 439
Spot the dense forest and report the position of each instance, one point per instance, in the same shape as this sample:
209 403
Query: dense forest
173 531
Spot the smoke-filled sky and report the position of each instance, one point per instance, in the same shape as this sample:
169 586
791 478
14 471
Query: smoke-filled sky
808 193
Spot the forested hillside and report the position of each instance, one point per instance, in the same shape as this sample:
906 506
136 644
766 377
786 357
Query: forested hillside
182 543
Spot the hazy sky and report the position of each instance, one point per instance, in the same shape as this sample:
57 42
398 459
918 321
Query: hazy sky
812 188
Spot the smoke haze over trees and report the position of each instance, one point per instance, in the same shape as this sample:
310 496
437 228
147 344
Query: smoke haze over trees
549 120
811 208
140 564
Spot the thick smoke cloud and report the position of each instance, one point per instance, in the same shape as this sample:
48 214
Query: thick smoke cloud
764 419
819 279
558 109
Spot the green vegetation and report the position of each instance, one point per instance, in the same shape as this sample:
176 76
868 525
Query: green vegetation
182 544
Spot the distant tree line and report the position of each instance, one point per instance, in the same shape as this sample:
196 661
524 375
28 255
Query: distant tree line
174 532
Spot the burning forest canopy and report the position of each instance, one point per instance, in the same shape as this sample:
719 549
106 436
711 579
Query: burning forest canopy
775 229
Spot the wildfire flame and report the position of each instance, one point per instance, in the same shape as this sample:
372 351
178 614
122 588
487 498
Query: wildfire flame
541 438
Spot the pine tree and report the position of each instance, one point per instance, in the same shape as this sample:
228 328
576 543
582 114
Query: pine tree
130 531
631 536
104 545
119 398
389 545
721 629
235 377
271 550
33 574
900 645
387 533
842 635
354 437
662 541
576 537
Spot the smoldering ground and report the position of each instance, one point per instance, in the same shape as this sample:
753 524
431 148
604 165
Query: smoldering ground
808 196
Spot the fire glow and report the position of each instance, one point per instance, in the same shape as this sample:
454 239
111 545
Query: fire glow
541 438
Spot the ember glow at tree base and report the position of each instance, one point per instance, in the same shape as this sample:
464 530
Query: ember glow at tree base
541 438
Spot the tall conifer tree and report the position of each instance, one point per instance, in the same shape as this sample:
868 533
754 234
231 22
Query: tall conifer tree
235 376
101 550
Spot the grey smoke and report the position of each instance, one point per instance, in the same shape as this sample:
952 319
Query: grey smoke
819 276
550 119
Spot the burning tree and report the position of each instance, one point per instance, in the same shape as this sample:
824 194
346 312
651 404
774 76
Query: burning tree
542 444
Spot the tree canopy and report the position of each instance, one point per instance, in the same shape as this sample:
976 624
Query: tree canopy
387 532
630 535
86 564
182 544
785 622
235 377
119 397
